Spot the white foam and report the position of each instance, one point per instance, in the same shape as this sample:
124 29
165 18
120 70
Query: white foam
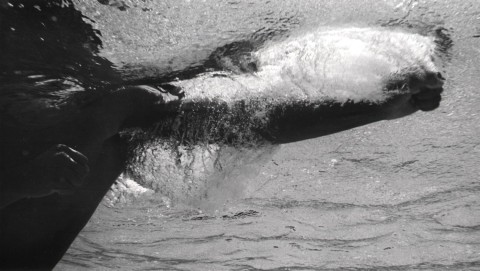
341 64
125 190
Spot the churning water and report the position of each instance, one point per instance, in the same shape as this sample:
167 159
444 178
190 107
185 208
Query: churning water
393 195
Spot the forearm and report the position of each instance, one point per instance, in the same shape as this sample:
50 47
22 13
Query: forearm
278 122
130 106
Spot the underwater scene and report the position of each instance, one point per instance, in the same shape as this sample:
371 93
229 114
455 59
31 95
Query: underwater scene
227 188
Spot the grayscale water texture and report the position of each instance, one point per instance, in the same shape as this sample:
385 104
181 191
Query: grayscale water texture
393 195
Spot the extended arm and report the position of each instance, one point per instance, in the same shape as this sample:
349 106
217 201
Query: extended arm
130 106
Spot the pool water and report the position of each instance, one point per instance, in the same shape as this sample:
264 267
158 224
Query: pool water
393 195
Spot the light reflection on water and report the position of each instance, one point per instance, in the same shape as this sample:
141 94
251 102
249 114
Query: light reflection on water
398 195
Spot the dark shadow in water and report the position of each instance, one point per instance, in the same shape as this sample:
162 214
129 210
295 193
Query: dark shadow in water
51 39
47 49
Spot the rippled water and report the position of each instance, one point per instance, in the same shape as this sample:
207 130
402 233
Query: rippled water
394 195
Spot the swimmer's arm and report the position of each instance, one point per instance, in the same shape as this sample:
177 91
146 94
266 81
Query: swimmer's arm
130 106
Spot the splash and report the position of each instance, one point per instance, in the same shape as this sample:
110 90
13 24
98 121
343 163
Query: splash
204 154
204 176
343 64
